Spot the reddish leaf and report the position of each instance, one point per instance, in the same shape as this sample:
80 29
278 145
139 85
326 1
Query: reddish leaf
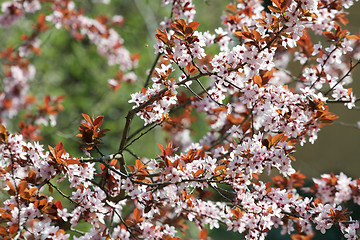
32 191
32 176
356 37
6 215
220 167
274 9
285 4
139 164
13 228
236 212
11 191
113 162
21 187
90 133
276 2
203 234
58 204
59 146
3 231
87 118
191 69
317 201
50 189
98 121
188 31
3 133
198 172
301 236
194 25
257 80
137 215
161 147
329 35
41 19
132 168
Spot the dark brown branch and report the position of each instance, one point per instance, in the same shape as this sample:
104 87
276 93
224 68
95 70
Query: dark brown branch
104 160
342 101
137 109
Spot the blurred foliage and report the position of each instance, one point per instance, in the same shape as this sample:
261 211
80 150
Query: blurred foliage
74 68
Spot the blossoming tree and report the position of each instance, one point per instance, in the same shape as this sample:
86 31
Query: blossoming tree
255 107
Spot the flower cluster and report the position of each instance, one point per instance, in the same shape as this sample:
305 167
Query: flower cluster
99 32
14 10
336 189
19 71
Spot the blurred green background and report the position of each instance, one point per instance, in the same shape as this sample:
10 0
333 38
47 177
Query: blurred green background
75 69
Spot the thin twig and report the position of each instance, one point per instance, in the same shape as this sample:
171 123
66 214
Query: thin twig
104 160
347 74
341 101
322 68
152 70
101 159
222 195
131 153
139 130
193 92
123 222
142 134
61 193
197 80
